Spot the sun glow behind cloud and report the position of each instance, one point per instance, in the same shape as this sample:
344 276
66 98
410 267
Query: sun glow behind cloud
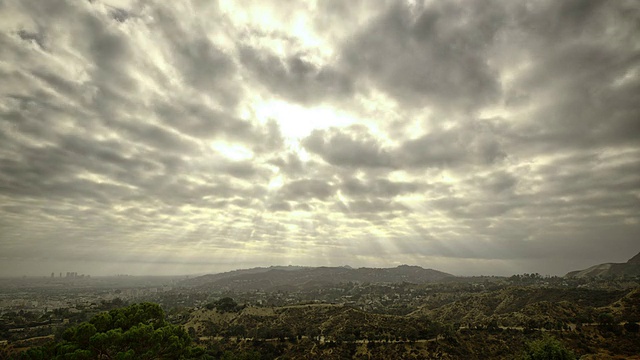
298 121
235 152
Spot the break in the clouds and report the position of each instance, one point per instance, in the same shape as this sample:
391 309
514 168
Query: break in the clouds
178 137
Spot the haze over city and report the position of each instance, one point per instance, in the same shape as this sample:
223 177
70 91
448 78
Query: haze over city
162 137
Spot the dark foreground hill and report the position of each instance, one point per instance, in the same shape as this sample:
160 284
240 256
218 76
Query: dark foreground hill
292 278
630 268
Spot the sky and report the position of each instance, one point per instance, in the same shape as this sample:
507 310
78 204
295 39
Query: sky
185 137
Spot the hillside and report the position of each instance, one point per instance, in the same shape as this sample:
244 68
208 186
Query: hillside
335 321
487 325
533 307
629 269
292 278
452 321
209 278
635 259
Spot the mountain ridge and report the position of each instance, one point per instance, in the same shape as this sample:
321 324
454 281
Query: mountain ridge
297 277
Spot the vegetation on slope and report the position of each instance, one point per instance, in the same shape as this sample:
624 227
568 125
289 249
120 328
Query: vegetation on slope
496 324
139 331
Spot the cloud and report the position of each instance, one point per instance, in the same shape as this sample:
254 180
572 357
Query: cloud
307 188
370 206
472 143
475 144
199 62
378 187
497 137
295 78
199 121
439 54
289 163
355 147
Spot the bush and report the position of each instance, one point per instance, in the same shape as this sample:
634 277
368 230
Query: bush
226 304
547 348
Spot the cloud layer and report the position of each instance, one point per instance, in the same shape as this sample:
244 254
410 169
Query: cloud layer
152 137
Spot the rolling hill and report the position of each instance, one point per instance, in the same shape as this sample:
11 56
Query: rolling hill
291 278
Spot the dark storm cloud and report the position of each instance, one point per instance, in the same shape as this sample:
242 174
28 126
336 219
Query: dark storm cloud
28 116
36 37
61 85
280 206
498 182
59 173
153 135
136 164
580 187
289 164
583 59
294 77
352 148
307 189
200 121
202 64
475 143
594 111
120 15
435 56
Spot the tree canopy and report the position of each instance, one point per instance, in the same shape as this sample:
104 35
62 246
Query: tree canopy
139 331
547 348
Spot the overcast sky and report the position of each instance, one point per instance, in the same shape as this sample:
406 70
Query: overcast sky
175 137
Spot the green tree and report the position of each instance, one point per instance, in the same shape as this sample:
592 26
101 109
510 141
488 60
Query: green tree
226 304
606 318
138 331
547 348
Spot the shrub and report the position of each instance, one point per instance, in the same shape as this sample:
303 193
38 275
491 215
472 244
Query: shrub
547 348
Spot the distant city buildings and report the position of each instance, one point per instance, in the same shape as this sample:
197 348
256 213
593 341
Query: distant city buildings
70 275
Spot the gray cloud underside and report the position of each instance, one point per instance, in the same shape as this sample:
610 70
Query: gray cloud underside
108 117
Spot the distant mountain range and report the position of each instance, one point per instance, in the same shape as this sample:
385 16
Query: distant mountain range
630 268
297 277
